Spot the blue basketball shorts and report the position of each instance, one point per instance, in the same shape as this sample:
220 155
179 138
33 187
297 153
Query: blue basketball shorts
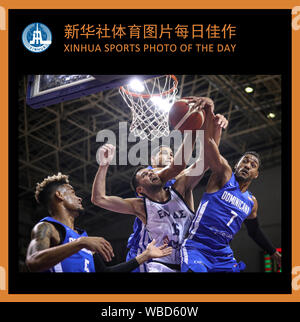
204 259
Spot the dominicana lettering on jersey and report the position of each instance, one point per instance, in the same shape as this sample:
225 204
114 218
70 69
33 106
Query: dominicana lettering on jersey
235 201
221 214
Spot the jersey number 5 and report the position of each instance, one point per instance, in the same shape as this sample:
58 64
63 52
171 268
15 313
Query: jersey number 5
86 265
176 230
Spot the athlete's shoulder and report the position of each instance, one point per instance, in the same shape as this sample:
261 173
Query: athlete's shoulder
41 225
51 228
139 206
254 210
255 203
252 197
43 228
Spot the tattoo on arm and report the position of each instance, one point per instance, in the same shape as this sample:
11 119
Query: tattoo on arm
41 236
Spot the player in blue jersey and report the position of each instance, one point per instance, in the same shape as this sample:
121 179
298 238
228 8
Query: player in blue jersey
58 246
225 205
139 239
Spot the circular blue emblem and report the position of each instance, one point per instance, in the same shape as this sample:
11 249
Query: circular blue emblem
37 37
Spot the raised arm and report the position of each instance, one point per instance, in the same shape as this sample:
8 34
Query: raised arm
179 162
185 151
221 170
191 176
117 204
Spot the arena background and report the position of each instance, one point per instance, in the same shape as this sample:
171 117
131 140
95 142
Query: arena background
62 137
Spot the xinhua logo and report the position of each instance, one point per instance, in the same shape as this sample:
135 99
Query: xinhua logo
37 37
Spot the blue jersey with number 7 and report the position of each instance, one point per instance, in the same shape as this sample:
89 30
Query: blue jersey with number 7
220 215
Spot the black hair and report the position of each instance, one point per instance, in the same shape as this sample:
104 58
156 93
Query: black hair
134 181
254 153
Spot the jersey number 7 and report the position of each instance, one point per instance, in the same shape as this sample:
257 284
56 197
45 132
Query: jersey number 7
234 215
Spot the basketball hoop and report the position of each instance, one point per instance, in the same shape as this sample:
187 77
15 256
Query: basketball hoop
150 101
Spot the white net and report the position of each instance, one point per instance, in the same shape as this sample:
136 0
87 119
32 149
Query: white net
150 101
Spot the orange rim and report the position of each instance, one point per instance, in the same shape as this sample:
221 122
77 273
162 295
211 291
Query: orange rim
149 95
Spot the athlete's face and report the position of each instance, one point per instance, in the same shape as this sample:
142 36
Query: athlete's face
163 158
147 179
69 198
247 168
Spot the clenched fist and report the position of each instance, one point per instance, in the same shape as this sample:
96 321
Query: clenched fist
105 154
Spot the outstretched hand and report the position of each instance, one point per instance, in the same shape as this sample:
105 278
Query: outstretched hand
221 121
98 245
156 252
205 104
201 103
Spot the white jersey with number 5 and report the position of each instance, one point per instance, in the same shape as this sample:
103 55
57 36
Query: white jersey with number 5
168 223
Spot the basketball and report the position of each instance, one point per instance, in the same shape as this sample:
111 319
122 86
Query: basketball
182 116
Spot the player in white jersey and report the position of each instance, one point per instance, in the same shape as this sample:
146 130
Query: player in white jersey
168 222
162 211
137 242
165 212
